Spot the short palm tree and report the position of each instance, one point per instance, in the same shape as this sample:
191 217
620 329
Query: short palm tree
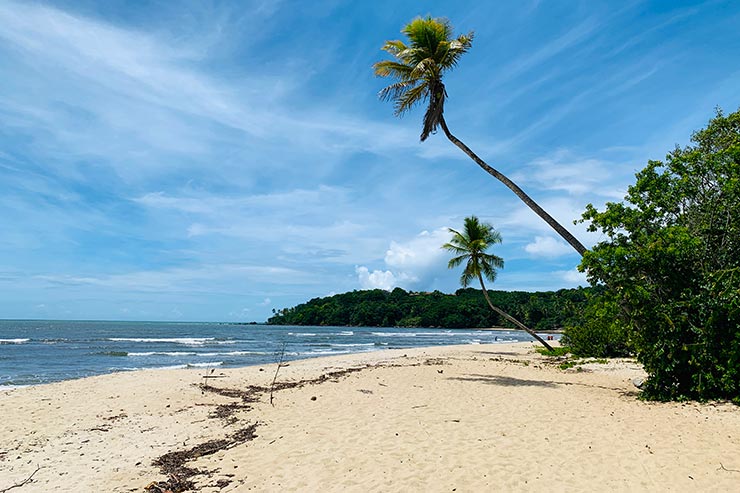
470 247
418 69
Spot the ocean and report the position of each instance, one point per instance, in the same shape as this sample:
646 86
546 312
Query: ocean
42 351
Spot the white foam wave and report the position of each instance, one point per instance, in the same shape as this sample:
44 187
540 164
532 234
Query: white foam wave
3 388
307 334
321 352
164 353
14 341
346 333
234 353
353 345
172 367
188 341
205 365
394 334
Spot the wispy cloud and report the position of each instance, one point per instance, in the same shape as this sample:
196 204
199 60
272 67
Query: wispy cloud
190 160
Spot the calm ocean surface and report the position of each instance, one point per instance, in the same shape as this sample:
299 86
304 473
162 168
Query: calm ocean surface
33 351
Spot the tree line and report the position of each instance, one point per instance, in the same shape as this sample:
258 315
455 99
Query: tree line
466 308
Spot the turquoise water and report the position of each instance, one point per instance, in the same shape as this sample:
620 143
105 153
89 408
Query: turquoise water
34 351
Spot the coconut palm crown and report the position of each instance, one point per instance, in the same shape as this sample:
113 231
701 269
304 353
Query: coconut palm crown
470 247
419 66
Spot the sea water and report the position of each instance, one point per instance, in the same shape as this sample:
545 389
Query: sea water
35 351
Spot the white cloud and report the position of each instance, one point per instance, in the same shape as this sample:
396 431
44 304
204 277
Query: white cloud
419 253
265 302
547 246
411 263
579 176
183 279
573 277
376 279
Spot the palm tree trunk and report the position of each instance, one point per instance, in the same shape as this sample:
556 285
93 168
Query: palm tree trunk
510 318
564 233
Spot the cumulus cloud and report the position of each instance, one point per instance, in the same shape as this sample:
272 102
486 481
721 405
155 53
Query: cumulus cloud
410 263
418 253
547 246
377 279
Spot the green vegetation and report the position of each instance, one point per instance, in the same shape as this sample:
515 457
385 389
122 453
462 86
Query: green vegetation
466 308
418 68
566 365
470 247
671 261
555 352
602 331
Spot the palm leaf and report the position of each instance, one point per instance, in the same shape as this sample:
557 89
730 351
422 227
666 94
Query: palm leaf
410 98
419 66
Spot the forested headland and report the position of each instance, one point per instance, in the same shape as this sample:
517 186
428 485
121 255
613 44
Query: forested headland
549 310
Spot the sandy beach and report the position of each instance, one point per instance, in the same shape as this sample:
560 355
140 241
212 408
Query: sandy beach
458 418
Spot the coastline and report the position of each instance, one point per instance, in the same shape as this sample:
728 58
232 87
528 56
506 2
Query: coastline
433 419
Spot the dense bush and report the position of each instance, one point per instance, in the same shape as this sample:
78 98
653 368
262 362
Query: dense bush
671 263
601 333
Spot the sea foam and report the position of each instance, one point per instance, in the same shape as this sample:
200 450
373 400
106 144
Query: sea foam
14 341
188 341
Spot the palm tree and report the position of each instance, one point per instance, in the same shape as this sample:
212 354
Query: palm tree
418 69
470 247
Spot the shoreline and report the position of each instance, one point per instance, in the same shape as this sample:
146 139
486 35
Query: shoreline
215 357
419 419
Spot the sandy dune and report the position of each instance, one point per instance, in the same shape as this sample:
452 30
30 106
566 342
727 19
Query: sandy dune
463 418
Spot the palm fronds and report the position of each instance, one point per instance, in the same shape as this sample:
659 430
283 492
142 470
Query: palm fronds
419 67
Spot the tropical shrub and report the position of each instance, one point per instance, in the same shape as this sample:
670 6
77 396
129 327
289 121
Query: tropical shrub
671 264
600 333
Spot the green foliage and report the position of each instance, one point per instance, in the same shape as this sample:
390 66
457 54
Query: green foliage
601 332
555 352
465 308
671 261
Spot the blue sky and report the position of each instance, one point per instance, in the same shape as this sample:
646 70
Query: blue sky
216 160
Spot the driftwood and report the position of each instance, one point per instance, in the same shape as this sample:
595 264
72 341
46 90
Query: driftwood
22 483
721 467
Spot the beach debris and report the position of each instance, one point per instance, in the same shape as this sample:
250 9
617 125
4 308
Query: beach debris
723 468
26 481
638 382
365 391
173 464
313 397
435 361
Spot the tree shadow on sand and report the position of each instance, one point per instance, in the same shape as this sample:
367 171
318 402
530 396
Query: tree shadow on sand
505 381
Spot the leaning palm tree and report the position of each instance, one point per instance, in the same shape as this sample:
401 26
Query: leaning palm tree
418 69
470 247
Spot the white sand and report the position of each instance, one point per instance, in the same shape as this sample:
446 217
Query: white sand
463 418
